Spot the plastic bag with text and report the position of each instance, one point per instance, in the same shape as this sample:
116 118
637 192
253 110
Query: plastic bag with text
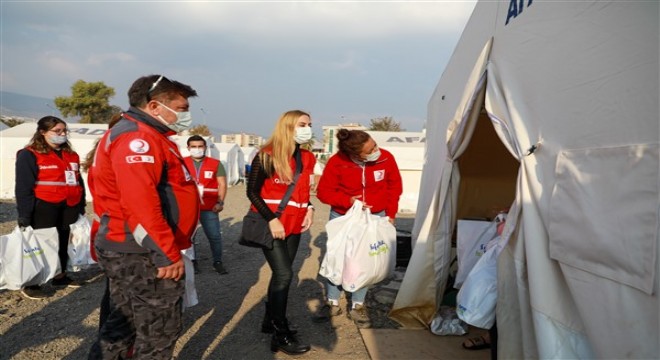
28 257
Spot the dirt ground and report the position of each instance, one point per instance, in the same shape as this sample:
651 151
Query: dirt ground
226 322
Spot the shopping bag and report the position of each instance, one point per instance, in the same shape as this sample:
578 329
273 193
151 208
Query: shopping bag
79 249
28 257
332 264
476 300
472 237
190 295
370 254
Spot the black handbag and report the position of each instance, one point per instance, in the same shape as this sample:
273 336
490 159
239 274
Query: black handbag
255 231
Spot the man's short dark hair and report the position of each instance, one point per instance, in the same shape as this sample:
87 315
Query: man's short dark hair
195 138
157 87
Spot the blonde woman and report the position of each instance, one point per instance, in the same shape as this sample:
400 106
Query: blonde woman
270 175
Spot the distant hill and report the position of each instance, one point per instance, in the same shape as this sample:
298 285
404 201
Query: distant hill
33 107
12 104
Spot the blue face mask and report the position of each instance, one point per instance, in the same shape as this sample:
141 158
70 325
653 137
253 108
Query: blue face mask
183 119
57 139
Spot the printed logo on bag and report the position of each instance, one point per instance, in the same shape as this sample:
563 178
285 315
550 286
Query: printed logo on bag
379 175
30 252
377 248
132 159
139 146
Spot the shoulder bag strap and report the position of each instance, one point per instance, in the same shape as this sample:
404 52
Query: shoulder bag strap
289 189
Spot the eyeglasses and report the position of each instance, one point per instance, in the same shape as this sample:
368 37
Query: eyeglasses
60 131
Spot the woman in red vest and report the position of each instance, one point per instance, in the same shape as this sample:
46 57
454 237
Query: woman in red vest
49 190
270 175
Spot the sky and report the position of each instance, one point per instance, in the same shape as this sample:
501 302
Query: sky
250 61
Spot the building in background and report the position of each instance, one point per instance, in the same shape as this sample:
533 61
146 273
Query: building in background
242 139
330 136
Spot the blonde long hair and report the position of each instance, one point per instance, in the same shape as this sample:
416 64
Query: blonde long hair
281 145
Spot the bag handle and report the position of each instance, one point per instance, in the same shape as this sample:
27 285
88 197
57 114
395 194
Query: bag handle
289 190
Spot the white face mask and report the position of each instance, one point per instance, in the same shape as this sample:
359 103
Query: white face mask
303 135
197 153
57 139
373 156
183 119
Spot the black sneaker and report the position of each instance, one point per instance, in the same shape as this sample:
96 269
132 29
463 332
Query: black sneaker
65 281
33 292
219 268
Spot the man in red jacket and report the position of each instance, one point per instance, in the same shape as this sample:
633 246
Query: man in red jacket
211 179
149 207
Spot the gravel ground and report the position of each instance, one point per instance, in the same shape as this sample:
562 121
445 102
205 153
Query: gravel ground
226 322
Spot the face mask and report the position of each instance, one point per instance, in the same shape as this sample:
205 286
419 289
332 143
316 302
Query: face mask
303 135
373 156
57 139
197 153
183 120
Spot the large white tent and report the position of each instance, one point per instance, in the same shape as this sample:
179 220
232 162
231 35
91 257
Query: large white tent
570 91
231 157
82 138
408 151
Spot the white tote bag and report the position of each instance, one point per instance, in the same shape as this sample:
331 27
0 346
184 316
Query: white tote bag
28 257
79 250
370 255
477 298
337 229
190 296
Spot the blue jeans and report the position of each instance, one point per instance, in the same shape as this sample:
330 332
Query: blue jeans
211 224
332 291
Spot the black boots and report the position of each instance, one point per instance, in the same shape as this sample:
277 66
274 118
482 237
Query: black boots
285 341
267 323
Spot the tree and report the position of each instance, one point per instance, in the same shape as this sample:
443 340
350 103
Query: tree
201 130
385 123
11 122
90 101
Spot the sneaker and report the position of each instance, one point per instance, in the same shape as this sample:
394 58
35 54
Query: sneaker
219 268
33 292
359 315
327 311
65 281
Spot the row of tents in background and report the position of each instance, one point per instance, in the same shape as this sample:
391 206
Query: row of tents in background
83 138
407 148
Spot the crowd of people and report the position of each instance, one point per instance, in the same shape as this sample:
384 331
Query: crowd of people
148 200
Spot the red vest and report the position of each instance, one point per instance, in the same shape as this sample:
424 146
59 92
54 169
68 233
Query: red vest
206 179
57 178
274 189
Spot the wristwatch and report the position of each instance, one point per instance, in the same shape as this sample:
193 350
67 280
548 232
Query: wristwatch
221 203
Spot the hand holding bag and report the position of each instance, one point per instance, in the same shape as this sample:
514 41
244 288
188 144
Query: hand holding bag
255 231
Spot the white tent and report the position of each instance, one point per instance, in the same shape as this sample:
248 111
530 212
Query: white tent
231 157
82 138
408 151
570 90
249 152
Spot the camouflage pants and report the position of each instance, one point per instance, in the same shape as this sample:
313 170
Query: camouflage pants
146 311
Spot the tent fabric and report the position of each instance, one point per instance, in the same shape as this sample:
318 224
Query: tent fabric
232 159
571 90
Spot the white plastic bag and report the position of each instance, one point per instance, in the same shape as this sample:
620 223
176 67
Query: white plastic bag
190 296
332 265
472 236
446 322
79 249
28 257
370 255
476 300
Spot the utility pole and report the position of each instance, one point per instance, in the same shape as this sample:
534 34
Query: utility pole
52 110
203 115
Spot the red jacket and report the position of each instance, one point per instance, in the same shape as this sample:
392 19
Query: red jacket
342 179
57 178
145 196
206 179
274 189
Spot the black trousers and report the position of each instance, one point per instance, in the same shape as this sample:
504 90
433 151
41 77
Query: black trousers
280 259
59 215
